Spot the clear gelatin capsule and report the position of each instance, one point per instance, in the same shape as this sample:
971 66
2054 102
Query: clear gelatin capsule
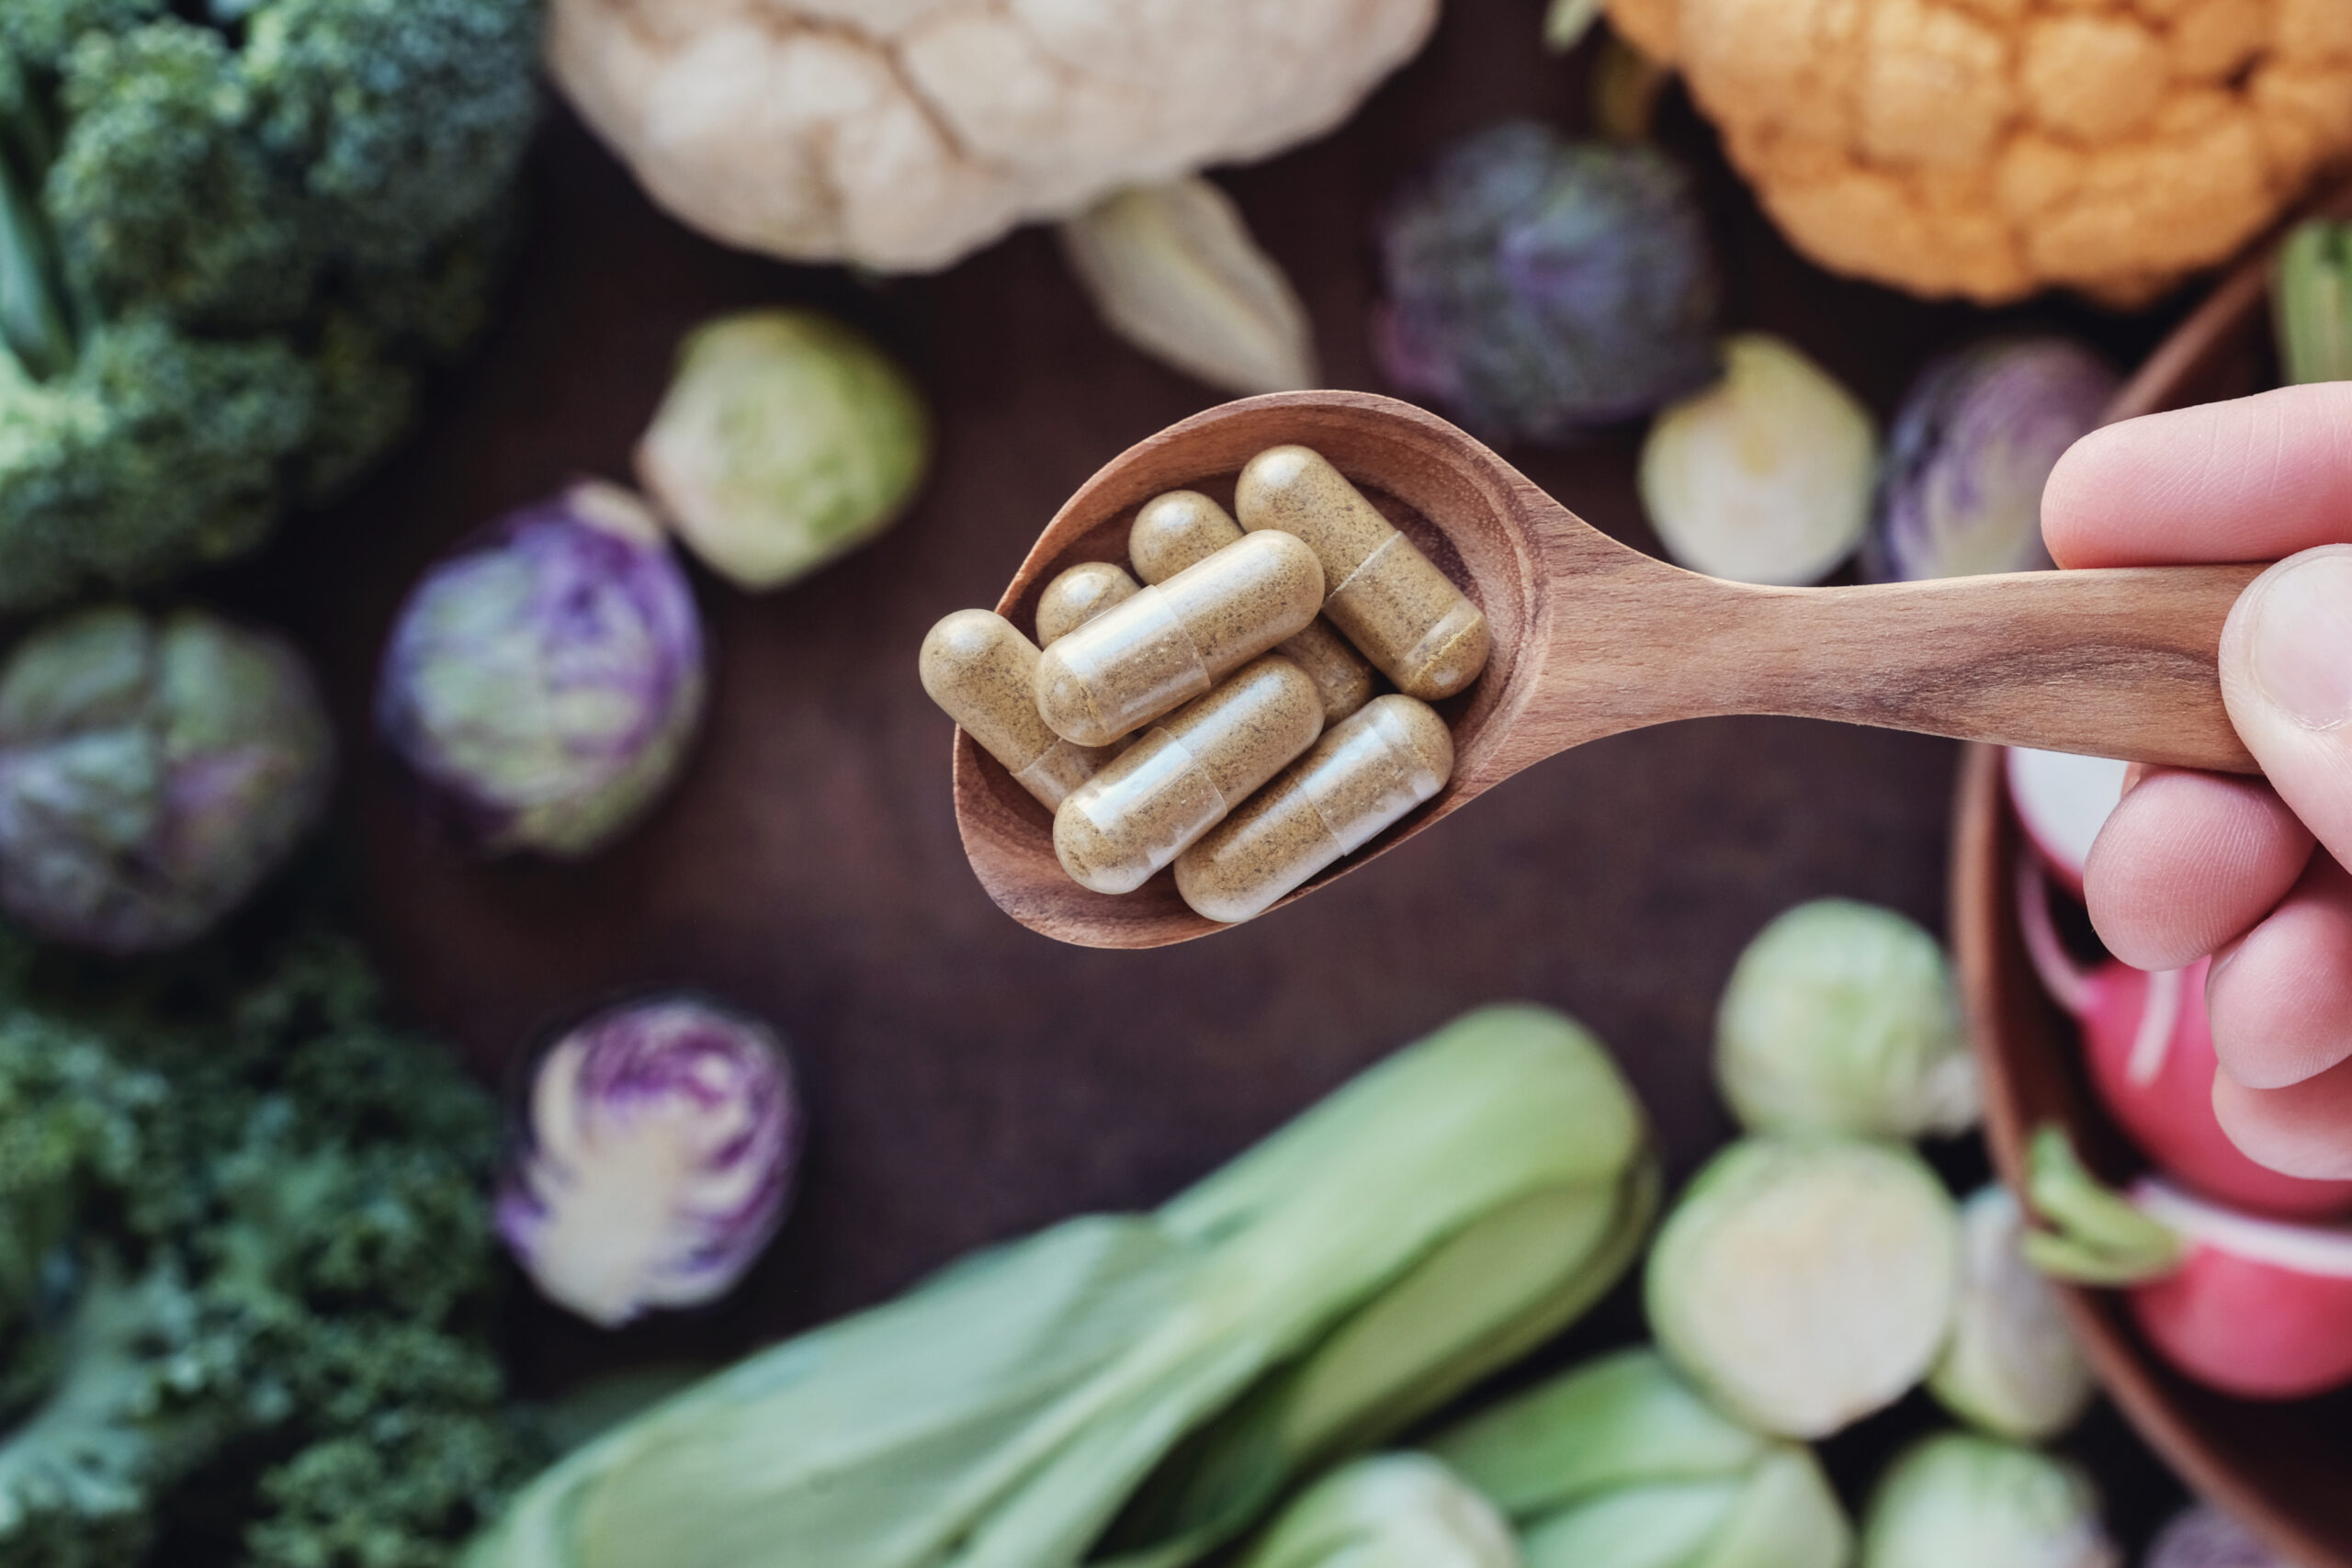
1170 643
1175 530
1408 617
981 671
1361 778
1080 594
1182 775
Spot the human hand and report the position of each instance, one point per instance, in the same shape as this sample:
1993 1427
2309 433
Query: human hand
2192 862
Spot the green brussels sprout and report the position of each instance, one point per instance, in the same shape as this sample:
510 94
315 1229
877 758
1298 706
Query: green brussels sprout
1802 1285
1841 1018
1620 1462
1956 1500
153 772
1403 1510
2011 1366
1765 477
785 439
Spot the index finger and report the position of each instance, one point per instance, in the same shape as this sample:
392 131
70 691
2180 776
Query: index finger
2252 480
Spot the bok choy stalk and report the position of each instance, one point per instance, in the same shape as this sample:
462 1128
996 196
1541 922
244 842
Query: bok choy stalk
2311 302
1138 1389
1387 1511
1620 1462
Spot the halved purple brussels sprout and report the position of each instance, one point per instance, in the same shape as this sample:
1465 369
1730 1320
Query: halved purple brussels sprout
661 1143
1972 447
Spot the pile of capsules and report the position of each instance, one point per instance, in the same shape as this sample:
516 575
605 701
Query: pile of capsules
1155 716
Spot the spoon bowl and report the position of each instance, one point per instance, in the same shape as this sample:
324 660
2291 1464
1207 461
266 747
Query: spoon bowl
1591 637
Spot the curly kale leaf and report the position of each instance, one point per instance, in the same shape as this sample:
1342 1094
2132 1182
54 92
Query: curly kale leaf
252 1280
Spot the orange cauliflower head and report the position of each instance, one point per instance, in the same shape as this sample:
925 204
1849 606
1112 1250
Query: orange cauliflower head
900 134
1991 148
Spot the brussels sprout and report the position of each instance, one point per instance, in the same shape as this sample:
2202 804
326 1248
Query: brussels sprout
2011 1366
661 1141
1955 1500
1538 287
1841 1018
1766 476
545 681
1804 1284
785 440
1389 1511
1971 449
1620 1461
153 772
2204 1537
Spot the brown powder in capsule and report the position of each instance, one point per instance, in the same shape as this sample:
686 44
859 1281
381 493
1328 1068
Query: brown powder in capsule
1176 530
1172 642
1080 594
979 669
1360 779
1180 779
1409 618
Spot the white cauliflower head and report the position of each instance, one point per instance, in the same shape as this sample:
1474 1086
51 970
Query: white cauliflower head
1989 148
900 134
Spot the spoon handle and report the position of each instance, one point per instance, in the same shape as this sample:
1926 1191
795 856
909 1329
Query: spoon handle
2118 663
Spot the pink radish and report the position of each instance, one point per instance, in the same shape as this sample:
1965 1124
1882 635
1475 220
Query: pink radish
2062 801
2259 1308
2150 1047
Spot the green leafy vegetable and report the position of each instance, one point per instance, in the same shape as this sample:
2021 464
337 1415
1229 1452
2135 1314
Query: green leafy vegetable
1620 1462
228 246
1387 1511
1138 1389
245 1284
2311 302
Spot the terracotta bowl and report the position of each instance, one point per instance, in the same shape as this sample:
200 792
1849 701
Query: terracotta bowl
2284 1469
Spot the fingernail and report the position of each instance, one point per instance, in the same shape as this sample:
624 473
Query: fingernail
2301 645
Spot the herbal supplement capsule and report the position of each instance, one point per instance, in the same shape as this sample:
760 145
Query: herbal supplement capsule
977 666
1181 776
1408 617
1175 530
1137 660
1361 777
1078 596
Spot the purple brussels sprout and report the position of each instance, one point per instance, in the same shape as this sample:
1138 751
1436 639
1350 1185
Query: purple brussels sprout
661 1141
1972 446
1539 288
545 681
2201 1536
154 770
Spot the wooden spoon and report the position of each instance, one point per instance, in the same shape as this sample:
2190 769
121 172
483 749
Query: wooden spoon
1591 637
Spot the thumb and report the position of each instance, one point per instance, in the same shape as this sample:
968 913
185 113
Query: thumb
2286 681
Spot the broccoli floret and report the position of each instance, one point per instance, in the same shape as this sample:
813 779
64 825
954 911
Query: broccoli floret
230 239
246 1251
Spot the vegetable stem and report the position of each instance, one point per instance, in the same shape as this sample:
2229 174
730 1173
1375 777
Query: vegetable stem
2100 1237
2310 299
34 326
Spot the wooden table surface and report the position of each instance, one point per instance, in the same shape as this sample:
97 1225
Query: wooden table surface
970 1080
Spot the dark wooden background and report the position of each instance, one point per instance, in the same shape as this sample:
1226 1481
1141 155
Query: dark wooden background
970 1080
